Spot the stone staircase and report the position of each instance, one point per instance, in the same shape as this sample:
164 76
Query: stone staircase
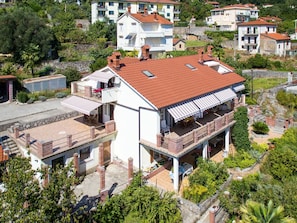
7 142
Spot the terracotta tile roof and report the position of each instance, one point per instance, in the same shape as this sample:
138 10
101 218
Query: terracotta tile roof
7 77
173 81
257 22
236 6
270 19
276 36
176 40
151 18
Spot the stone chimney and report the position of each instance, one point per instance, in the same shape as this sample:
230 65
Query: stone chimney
129 9
145 49
200 55
209 50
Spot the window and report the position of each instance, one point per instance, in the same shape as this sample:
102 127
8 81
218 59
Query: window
148 73
242 38
111 12
85 153
168 14
110 3
133 23
180 46
168 6
190 66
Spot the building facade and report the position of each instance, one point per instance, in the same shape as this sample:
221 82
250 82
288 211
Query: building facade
112 10
227 18
137 30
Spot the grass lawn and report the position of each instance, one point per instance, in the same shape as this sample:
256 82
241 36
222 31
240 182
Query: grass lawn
195 43
266 83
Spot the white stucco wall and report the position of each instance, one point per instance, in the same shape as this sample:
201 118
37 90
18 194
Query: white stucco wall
130 106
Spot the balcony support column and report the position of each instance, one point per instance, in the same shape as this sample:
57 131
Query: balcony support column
227 141
175 174
205 150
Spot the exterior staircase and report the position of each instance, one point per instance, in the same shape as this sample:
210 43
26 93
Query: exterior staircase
7 142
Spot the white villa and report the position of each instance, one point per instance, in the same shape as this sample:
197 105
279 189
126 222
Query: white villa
112 10
137 30
228 17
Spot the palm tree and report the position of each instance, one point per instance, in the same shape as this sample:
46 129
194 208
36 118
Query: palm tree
254 212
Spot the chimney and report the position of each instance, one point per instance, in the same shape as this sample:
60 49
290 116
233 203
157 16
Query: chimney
155 16
145 49
145 11
129 9
114 60
209 50
200 55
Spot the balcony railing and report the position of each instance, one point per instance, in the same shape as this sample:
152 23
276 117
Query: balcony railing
43 149
251 33
101 8
176 143
105 96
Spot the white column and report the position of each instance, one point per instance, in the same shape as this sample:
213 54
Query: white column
205 150
175 174
227 136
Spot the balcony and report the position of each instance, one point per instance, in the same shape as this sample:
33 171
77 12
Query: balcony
152 34
176 11
122 9
101 8
176 19
183 138
157 47
106 95
250 43
57 137
251 33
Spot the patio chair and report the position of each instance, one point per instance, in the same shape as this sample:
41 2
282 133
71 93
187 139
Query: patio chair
164 127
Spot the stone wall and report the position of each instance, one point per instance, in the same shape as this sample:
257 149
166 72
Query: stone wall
36 123
81 66
266 73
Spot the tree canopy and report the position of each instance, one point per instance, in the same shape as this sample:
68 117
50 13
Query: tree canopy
21 27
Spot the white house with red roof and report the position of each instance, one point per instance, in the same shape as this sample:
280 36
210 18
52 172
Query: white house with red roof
137 30
227 18
260 36
275 44
112 10
166 109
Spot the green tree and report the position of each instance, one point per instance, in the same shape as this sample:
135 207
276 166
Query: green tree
71 74
21 27
25 200
240 132
254 212
30 56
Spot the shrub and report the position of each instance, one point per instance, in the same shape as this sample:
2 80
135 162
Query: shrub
42 98
261 148
31 101
195 193
60 95
240 159
260 128
22 97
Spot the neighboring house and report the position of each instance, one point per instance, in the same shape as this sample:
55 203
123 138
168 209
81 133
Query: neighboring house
273 19
227 18
112 10
275 44
214 4
249 34
137 30
179 44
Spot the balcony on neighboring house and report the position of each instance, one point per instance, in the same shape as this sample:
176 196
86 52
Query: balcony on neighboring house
176 11
251 33
122 9
250 43
176 19
101 8
151 34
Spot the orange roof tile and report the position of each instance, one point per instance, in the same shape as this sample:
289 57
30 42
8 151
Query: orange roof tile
176 40
173 81
7 77
151 18
276 36
257 22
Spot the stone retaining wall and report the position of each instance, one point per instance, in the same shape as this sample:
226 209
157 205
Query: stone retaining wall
36 123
